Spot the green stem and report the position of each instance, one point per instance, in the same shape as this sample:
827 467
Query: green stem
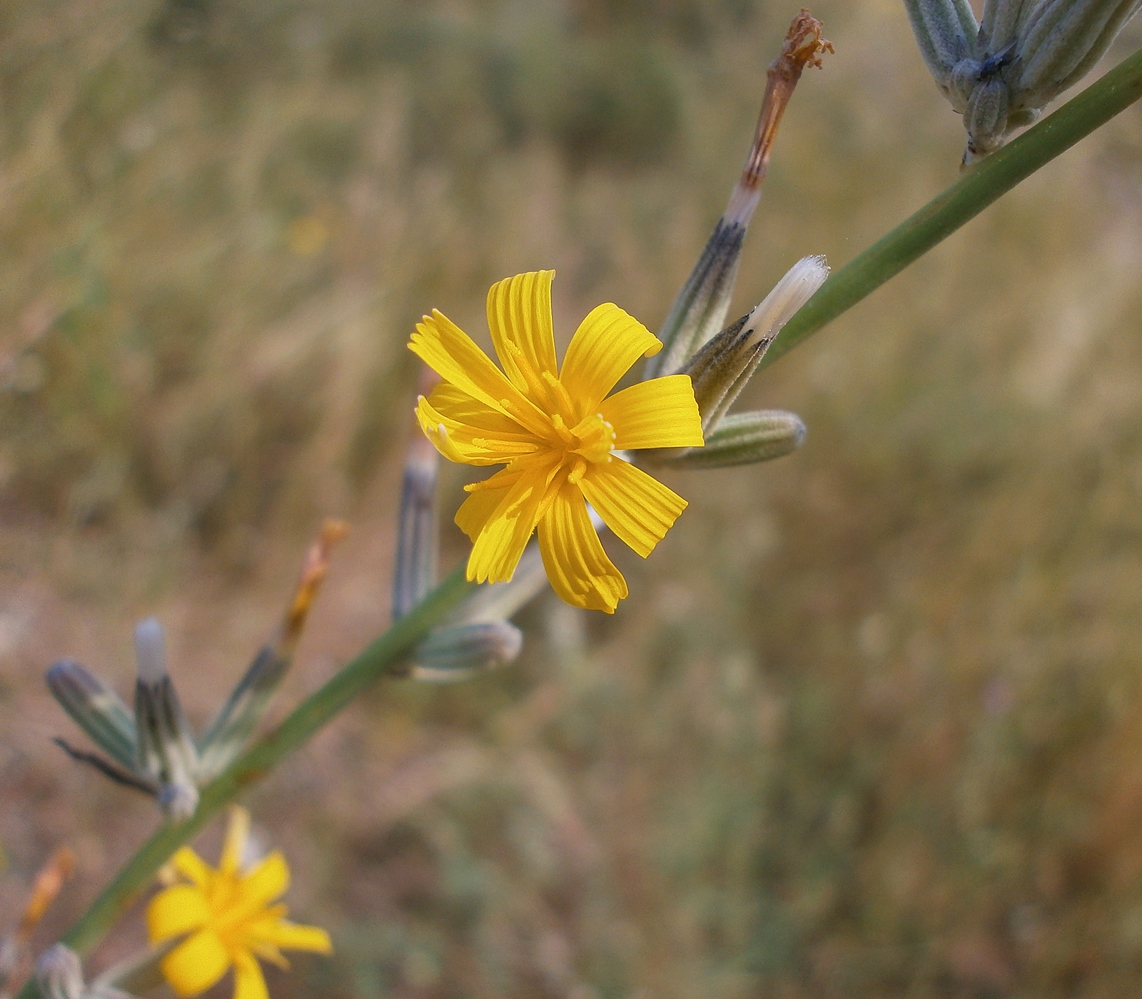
970 195
965 199
307 718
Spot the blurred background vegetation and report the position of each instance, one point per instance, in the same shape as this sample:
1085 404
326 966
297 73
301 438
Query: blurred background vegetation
870 723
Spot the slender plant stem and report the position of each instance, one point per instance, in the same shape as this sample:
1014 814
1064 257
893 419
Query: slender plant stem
965 199
970 195
307 718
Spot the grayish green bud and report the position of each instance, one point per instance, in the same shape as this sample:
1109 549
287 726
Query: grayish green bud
225 736
96 709
701 306
945 31
746 438
460 652
418 531
1060 42
499 601
1024 53
477 636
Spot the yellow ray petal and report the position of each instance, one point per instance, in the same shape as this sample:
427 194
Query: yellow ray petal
264 883
249 982
478 508
573 556
500 544
661 412
471 445
192 867
234 845
196 963
283 934
602 350
175 911
636 506
457 358
519 318
267 952
455 404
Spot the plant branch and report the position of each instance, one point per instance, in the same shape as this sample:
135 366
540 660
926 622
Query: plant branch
965 199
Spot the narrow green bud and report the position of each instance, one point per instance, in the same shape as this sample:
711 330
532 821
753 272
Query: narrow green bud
700 308
165 752
746 438
417 534
460 652
231 728
96 709
225 737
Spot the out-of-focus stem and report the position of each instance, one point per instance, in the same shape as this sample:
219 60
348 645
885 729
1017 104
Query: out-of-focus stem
971 194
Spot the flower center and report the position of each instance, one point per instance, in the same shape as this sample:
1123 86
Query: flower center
592 439
230 912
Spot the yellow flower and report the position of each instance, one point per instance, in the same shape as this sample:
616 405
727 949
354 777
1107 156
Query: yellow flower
559 434
225 918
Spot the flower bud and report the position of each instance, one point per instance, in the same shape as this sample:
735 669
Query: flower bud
165 751
225 736
229 731
458 653
150 651
1001 74
700 308
945 30
721 369
417 533
746 438
96 709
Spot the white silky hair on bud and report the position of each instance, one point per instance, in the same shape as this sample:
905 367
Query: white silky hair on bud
150 651
788 295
